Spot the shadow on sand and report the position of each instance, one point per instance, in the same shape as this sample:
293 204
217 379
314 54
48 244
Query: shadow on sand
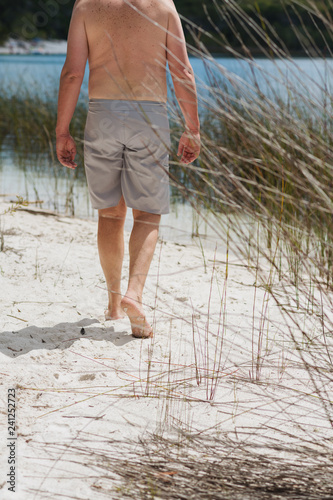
60 336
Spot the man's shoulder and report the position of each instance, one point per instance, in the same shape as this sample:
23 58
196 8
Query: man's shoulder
81 5
169 4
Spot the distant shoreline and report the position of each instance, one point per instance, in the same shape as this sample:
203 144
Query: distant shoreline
215 55
59 47
34 47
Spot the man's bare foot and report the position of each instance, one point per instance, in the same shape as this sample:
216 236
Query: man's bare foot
112 315
140 326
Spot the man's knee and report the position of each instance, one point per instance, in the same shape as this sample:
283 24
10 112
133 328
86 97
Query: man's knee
140 215
117 212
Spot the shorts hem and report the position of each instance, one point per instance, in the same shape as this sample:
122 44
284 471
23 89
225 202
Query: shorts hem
157 212
163 212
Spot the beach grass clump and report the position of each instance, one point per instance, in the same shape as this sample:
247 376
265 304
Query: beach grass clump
268 155
27 125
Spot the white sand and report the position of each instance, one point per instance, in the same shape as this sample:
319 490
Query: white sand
79 389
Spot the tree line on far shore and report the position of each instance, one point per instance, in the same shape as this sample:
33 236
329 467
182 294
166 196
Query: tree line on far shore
49 19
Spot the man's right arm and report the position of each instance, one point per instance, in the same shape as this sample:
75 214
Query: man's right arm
185 89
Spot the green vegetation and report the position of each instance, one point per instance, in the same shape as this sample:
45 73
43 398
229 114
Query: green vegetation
29 19
50 19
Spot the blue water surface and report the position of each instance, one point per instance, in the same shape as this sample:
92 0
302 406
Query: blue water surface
282 78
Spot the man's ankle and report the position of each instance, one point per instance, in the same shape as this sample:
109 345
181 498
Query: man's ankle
134 295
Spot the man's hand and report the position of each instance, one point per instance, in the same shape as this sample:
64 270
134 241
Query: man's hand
66 150
189 146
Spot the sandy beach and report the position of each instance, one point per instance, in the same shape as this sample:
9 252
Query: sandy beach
85 389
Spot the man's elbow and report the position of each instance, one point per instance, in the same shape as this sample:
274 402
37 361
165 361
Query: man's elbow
182 73
72 75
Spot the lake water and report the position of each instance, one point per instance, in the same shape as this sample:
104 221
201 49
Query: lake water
301 78
281 76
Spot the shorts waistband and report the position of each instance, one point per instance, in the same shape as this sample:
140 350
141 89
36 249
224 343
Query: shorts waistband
128 105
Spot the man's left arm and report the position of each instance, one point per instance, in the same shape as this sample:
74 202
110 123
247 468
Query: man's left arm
70 84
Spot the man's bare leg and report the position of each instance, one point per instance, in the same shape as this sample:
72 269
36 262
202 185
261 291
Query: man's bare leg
141 250
111 253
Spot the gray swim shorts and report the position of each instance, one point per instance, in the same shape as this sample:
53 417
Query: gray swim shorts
126 152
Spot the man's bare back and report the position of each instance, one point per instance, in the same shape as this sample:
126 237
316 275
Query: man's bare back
127 48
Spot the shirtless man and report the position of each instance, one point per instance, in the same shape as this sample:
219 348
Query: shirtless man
128 44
